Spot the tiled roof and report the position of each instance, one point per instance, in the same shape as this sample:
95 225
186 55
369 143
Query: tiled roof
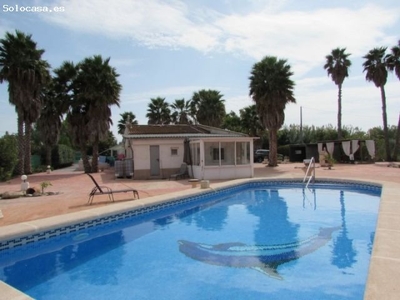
178 131
166 129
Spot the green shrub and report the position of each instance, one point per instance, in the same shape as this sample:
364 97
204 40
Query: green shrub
8 156
284 150
62 156
35 161
39 169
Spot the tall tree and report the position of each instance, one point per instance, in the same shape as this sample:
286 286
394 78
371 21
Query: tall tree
158 111
50 121
393 60
393 64
209 107
65 137
271 89
76 120
33 109
337 65
98 89
397 141
376 71
22 66
124 119
250 121
232 122
181 111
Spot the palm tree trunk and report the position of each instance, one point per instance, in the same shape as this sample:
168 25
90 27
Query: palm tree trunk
385 125
95 158
339 115
396 146
273 150
85 159
27 162
48 155
20 168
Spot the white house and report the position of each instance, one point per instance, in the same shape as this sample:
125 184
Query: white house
159 150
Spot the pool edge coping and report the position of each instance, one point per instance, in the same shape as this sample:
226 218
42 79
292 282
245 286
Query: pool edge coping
8 292
23 229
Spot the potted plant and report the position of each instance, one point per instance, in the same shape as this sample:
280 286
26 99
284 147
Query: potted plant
330 160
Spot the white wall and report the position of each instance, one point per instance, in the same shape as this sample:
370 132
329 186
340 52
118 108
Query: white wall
141 149
223 172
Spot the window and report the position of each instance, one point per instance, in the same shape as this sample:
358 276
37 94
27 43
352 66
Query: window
228 153
216 154
174 151
211 153
242 153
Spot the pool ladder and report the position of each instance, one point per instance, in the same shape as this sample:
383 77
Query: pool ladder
310 173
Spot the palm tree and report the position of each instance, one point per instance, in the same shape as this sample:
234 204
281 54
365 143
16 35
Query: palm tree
181 112
250 121
22 67
232 122
66 92
393 60
78 129
393 64
376 69
33 108
271 89
50 121
98 88
128 115
158 111
208 107
337 66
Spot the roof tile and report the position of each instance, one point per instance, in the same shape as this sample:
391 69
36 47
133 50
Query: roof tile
166 129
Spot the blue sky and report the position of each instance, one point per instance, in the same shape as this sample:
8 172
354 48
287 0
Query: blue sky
172 48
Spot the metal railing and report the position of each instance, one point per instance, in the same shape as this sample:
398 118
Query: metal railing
311 168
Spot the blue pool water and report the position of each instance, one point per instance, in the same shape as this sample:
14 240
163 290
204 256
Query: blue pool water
264 242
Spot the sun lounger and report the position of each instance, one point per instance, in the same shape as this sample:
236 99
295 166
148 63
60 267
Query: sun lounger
104 190
183 172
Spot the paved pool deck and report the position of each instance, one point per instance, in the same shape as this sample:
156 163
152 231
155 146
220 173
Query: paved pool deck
71 189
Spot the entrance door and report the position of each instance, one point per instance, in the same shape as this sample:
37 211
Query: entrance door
154 160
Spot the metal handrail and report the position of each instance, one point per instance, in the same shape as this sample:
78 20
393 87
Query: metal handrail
311 166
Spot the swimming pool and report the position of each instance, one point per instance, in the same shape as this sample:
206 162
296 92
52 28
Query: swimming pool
271 240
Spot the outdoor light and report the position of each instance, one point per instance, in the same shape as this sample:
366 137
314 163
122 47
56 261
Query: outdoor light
24 183
48 171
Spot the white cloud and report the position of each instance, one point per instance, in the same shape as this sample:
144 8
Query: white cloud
304 37
153 23
170 93
237 102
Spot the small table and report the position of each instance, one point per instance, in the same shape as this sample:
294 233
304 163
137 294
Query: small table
194 182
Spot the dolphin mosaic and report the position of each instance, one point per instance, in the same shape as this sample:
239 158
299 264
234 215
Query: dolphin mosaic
263 258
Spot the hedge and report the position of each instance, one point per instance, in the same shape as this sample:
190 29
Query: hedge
8 157
62 156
